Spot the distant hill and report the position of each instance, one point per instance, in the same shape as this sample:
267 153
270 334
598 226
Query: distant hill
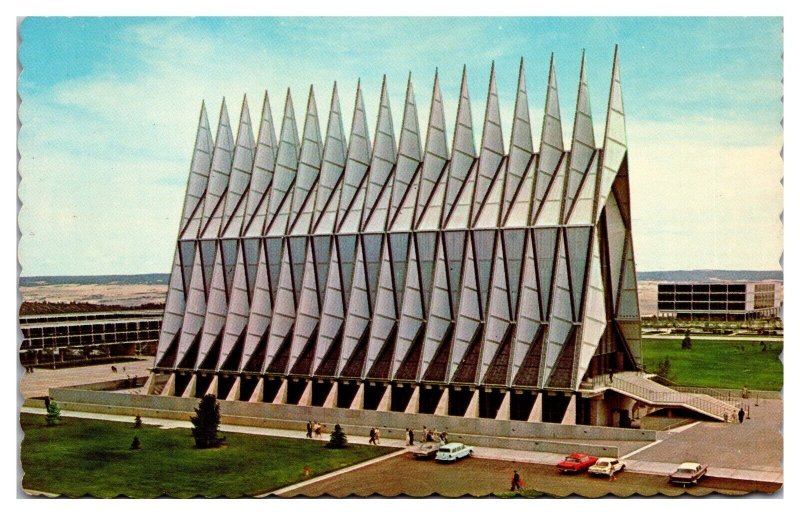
669 275
94 279
711 275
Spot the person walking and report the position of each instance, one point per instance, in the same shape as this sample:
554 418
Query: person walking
612 471
741 415
308 429
377 436
516 482
372 436
410 436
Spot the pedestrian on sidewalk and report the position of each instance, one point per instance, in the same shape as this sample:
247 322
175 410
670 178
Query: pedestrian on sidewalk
308 429
410 436
516 482
377 436
372 436
611 476
741 415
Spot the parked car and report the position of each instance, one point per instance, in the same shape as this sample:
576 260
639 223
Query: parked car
688 473
606 467
576 462
426 450
453 451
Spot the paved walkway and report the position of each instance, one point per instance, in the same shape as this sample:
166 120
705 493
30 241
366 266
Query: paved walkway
641 464
38 383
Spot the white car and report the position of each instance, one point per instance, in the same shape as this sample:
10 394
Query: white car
453 452
606 467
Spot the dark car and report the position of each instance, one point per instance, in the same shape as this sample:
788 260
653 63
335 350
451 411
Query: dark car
577 462
688 473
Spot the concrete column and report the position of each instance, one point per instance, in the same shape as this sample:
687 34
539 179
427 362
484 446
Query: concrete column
305 399
536 412
358 400
213 388
233 395
191 388
570 416
386 400
150 384
258 393
283 393
413 402
443 407
504 412
169 388
473 410
330 400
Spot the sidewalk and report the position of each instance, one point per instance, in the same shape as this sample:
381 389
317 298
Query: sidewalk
542 458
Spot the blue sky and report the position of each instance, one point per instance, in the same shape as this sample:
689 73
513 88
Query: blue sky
109 109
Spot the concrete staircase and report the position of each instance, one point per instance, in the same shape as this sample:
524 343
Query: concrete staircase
639 387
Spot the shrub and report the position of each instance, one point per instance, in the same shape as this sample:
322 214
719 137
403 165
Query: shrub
338 438
53 416
206 423
136 444
137 422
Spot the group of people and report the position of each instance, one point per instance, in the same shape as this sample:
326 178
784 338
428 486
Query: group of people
29 369
314 429
428 435
374 436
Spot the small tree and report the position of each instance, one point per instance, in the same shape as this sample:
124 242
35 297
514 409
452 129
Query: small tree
136 444
137 422
53 416
338 438
206 423
686 344
664 368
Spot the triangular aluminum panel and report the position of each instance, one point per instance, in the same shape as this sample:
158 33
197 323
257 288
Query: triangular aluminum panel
409 154
263 169
241 170
412 314
469 317
583 144
594 314
174 309
195 310
436 153
310 160
578 249
358 157
492 150
285 165
499 312
199 170
221 163
261 305
463 151
529 315
333 161
284 308
521 148
216 311
561 315
239 305
615 142
384 155
552 145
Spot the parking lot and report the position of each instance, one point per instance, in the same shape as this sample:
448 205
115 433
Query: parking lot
404 475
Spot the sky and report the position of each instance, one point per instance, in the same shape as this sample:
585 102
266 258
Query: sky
109 109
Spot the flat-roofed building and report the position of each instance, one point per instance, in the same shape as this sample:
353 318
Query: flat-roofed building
55 339
718 300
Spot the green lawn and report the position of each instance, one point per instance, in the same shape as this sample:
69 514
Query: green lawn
81 457
718 363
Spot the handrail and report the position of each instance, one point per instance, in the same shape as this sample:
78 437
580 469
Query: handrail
702 402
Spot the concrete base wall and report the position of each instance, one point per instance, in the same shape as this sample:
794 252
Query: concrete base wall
392 424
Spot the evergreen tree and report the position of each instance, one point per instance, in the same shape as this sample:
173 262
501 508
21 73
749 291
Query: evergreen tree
137 422
206 423
53 416
136 444
338 438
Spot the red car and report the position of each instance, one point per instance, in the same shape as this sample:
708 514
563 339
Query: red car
577 462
